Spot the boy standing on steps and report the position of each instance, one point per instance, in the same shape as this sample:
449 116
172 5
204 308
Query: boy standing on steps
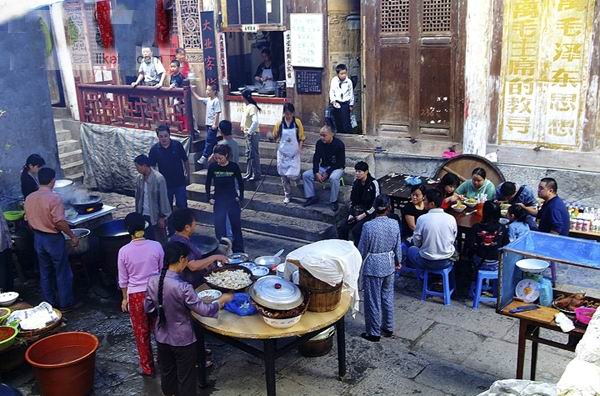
213 111
341 97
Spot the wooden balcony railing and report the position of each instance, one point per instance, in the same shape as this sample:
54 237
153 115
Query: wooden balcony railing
141 107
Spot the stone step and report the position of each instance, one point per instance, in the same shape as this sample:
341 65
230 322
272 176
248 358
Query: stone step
272 185
272 203
76 177
73 168
61 112
269 167
273 224
63 135
70 157
67 146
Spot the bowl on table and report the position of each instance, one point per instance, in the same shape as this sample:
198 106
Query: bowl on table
470 202
458 207
505 206
504 221
210 295
8 298
8 336
532 266
4 313
259 271
226 288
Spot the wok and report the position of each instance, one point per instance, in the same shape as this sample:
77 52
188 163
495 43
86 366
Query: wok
206 244
91 205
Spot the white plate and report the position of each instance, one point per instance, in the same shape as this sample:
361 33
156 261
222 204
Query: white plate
530 295
8 298
260 271
211 294
533 266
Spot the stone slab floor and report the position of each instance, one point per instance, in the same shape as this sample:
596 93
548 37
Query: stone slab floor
436 350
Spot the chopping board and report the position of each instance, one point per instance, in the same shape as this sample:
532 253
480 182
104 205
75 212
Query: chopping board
542 314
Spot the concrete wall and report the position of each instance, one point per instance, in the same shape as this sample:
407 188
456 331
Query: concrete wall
133 29
26 118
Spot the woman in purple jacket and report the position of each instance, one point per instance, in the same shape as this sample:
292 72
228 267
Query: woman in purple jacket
171 299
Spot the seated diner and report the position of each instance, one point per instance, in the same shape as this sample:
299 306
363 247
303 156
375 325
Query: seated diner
479 184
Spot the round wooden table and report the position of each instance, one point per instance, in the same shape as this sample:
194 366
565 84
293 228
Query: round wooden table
234 330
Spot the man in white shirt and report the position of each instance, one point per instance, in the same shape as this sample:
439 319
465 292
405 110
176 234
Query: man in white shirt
151 71
341 97
434 236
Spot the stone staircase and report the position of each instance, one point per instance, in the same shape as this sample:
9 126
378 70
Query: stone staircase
264 210
69 147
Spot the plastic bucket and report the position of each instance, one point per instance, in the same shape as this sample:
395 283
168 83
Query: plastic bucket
64 363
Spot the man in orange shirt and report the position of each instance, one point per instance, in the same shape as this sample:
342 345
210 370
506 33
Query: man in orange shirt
45 213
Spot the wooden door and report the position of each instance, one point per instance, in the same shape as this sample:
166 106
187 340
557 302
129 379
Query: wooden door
413 69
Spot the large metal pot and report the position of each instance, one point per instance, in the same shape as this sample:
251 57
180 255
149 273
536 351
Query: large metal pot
113 236
276 293
84 242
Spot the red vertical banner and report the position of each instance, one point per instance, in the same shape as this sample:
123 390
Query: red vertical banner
209 48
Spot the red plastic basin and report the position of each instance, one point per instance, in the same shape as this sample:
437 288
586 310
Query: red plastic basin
64 363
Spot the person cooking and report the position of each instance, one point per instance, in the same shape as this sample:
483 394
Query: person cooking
29 174
289 133
267 73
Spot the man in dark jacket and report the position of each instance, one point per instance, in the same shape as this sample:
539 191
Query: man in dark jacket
364 191
329 161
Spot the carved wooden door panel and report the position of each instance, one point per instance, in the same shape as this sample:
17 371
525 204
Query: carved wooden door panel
413 68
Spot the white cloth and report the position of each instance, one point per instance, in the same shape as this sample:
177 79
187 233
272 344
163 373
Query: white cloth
332 261
435 234
288 152
341 91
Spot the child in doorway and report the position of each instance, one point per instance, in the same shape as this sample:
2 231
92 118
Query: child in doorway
176 76
180 55
341 97
171 299
213 111
518 222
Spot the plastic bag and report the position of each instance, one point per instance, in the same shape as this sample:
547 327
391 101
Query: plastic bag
241 305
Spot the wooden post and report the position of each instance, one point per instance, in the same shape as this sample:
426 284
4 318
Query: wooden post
189 111
80 105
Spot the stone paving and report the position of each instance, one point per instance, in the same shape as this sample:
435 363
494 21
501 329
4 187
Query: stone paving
436 350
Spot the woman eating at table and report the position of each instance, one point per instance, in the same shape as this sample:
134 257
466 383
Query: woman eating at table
487 238
171 299
476 186
137 262
380 247
448 184
410 213
29 180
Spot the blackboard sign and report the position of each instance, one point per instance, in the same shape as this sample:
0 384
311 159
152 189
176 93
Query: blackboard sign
308 81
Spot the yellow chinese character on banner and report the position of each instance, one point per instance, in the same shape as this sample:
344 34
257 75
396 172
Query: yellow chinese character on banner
564 77
526 8
519 104
519 124
577 5
523 49
562 128
521 86
568 51
571 26
525 28
563 102
521 67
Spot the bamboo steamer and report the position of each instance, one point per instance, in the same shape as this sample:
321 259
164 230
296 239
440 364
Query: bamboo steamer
323 297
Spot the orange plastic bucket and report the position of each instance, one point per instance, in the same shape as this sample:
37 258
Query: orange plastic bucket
64 363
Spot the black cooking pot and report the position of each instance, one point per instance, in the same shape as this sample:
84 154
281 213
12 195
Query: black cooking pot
113 236
91 205
112 230
206 244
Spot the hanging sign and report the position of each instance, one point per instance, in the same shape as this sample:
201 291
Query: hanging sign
209 48
249 28
307 40
289 69
222 59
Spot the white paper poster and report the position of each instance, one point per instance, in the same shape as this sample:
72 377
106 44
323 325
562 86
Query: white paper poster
307 40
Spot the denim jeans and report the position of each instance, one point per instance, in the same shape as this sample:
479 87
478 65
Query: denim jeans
224 209
180 195
211 140
253 156
55 269
308 179
416 261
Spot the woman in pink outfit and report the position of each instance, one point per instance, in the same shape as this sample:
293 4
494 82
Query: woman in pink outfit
138 261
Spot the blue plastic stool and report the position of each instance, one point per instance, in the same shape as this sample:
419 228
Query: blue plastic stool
445 274
481 276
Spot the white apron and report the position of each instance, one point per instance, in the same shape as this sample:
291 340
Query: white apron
268 84
288 152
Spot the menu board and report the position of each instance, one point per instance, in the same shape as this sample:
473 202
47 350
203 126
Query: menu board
308 81
307 40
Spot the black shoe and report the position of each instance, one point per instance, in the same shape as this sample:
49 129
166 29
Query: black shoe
71 308
335 206
387 333
247 177
370 337
310 201
253 179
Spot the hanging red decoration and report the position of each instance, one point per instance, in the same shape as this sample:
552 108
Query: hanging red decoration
163 22
104 23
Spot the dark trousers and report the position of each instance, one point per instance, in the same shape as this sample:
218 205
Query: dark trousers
211 140
178 369
180 195
229 208
353 230
6 273
54 269
341 117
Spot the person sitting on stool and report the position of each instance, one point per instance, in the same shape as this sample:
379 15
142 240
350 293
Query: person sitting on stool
329 162
434 236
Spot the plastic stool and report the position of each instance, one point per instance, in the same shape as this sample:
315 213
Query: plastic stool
481 276
445 274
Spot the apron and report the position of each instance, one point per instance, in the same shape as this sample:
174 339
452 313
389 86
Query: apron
390 255
270 84
288 153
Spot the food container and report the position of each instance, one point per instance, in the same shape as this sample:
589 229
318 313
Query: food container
14 215
210 295
238 258
283 319
268 261
248 264
319 345
584 314
458 207
259 272
532 266
4 313
84 242
470 202
8 336
275 293
225 269
8 298
323 296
